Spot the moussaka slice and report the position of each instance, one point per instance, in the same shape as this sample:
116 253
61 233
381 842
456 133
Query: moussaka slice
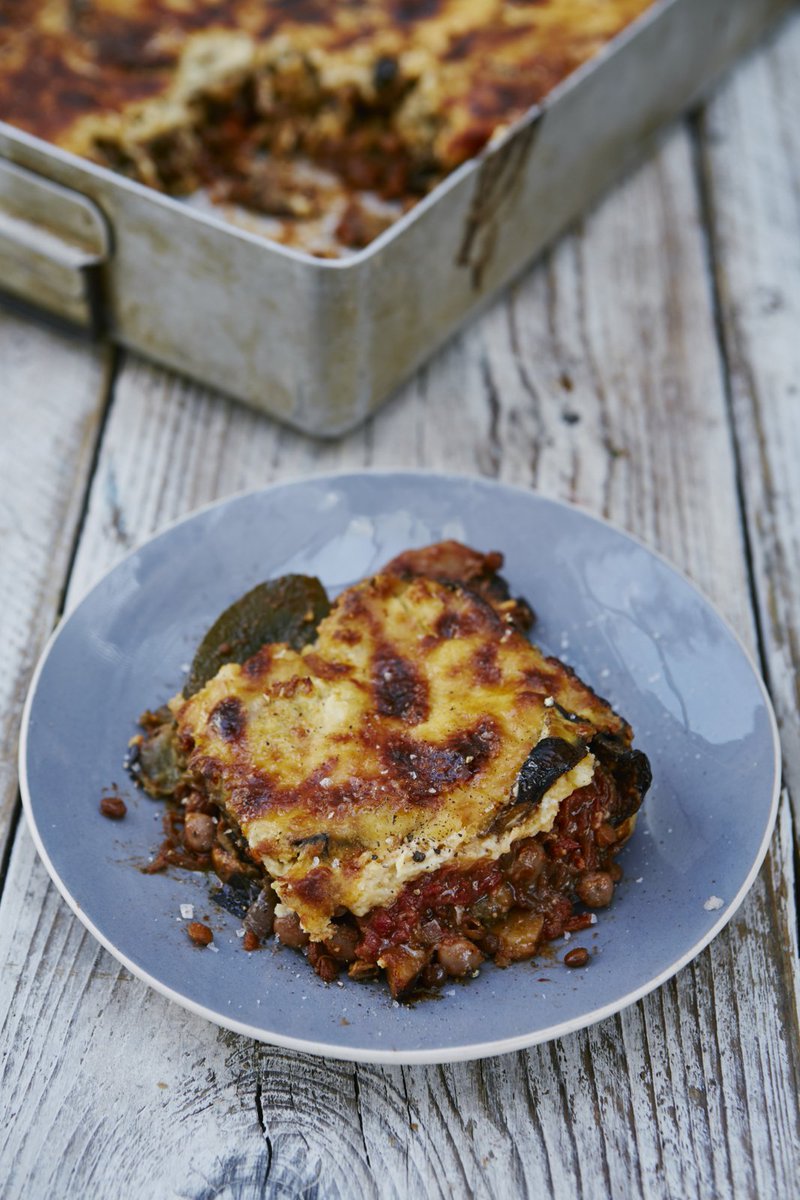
421 786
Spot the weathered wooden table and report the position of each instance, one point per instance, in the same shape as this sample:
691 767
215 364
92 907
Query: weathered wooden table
648 368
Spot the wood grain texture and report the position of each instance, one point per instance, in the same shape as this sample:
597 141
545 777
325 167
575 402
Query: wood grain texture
52 394
750 147
598 378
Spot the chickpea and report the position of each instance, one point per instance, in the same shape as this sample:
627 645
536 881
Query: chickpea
595 889
459 956
342 943
289 931
199 832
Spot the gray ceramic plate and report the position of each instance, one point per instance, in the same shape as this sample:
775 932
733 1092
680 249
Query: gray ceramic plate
626 620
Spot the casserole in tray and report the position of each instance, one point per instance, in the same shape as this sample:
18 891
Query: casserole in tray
317 341
385 96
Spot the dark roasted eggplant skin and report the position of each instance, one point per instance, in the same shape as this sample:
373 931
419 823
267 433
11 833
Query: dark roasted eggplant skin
547 762
552 757
630 770
287 609
549 759
152 760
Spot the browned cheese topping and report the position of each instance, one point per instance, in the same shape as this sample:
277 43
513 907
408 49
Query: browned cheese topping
386 96
388 747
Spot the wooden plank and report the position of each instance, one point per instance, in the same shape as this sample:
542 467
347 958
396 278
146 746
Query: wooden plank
52 395
674 1097
750 147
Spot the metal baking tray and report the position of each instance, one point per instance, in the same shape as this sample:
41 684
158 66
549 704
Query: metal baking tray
320 343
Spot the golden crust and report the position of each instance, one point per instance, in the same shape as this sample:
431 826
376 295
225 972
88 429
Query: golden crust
387 747
389 94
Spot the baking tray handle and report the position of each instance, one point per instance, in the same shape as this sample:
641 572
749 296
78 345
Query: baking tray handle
53 244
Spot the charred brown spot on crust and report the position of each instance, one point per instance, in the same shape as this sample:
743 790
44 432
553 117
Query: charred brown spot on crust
408 12
252 797
484 664
185 743
318 840
314 888
49 88
398 687
325 668
259 664
209 769
425 770
348 637
538 681
449 625
304 12
467 621
455 624
526 84
288 688
229 718
482 41
355 605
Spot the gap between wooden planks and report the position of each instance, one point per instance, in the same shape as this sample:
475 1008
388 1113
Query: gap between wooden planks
692 1092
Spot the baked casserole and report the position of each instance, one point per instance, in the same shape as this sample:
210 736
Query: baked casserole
331 119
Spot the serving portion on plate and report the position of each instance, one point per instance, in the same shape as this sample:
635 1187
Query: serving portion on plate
343 760
413 780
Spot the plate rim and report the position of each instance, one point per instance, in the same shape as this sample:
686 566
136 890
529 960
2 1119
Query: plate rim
379 1055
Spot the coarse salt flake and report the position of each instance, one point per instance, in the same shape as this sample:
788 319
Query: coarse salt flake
713 903
187 911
